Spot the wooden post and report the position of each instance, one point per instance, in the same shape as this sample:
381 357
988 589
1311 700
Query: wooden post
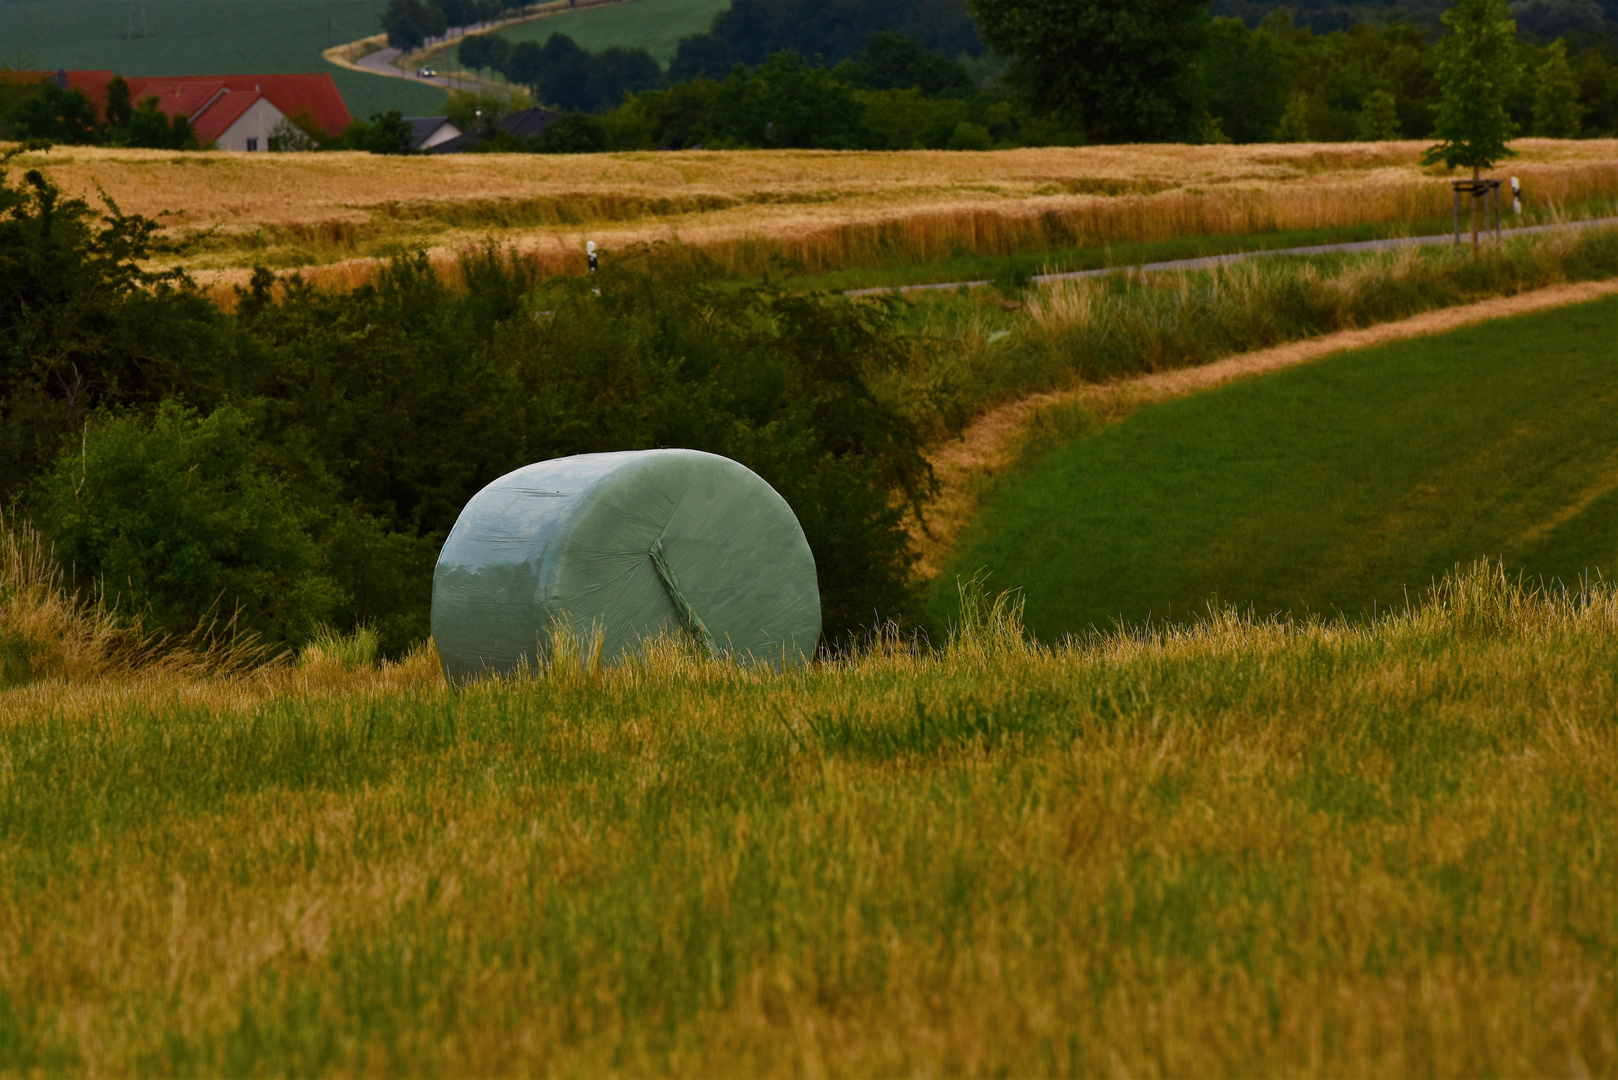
1457 216
1475 175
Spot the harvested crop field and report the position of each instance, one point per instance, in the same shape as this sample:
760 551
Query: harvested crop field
825 209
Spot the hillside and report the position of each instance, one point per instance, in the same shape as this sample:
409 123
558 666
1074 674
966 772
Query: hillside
654 25
1343 486
205 37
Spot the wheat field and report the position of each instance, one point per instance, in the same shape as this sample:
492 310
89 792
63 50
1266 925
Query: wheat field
338 212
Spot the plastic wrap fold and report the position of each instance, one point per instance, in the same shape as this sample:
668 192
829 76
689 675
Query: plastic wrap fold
628 545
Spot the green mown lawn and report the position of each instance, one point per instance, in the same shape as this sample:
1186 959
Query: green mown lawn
207 37
1333 487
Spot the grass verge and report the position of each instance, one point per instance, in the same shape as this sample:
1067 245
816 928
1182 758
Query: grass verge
1011 272
1343 485
973 353
1239 847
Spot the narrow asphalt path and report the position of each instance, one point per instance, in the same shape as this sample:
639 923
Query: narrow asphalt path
1210 261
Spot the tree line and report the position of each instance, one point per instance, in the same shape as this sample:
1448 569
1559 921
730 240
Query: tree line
1221 80
1064 72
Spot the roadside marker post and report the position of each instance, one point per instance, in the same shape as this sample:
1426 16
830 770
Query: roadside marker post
1489 192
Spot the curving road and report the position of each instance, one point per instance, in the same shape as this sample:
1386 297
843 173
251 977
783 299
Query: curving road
381 62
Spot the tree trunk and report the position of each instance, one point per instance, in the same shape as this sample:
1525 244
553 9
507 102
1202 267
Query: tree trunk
1475 174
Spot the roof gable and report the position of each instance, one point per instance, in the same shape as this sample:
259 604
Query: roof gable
177 97
314 95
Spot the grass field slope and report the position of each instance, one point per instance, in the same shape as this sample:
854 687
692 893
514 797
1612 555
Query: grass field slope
1242 849
1340 486
206 37
654 25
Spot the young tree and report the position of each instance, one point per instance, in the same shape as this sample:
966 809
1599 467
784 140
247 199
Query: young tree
409 23
1124 69
1379 118
1477 70
119 105
1557 110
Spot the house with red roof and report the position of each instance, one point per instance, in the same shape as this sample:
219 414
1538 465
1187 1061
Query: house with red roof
230 112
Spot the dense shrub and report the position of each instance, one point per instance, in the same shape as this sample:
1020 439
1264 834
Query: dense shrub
82 324
180 521
303 457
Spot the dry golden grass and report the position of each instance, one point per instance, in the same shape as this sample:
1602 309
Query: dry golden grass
1243 847
825 209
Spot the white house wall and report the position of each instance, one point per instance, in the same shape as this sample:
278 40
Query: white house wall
257 123
441 134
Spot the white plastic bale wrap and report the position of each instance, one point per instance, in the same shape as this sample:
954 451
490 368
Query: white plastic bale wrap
633 544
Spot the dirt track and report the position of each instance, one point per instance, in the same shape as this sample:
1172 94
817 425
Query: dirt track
992 444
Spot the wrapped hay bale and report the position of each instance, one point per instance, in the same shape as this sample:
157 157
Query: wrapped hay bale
630 544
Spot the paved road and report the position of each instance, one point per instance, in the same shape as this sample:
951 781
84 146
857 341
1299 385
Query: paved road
1208 262
381 63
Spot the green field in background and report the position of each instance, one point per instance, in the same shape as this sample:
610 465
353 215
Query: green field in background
654 25
1332 487
207 37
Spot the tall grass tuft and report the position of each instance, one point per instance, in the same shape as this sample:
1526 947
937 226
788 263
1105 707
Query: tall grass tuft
329 647
988 629
46 631
50 632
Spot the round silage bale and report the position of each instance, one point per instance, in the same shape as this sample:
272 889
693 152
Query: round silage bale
628 545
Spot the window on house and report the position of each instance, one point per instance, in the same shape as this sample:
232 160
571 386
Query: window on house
252 144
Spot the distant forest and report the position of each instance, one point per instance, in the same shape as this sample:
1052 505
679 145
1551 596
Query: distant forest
1544 20
915 74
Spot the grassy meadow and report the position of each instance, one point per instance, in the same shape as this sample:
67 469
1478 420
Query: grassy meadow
334 214
1241 847
207 37
1344 485
654 25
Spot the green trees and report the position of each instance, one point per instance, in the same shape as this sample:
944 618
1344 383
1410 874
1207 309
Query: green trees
1124 70
1558 113
408 23
1477 69
1379 117
180 522
384 133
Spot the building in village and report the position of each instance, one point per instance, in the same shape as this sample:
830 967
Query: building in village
229 112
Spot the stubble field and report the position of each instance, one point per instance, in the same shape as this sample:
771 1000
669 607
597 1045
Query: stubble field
336 213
